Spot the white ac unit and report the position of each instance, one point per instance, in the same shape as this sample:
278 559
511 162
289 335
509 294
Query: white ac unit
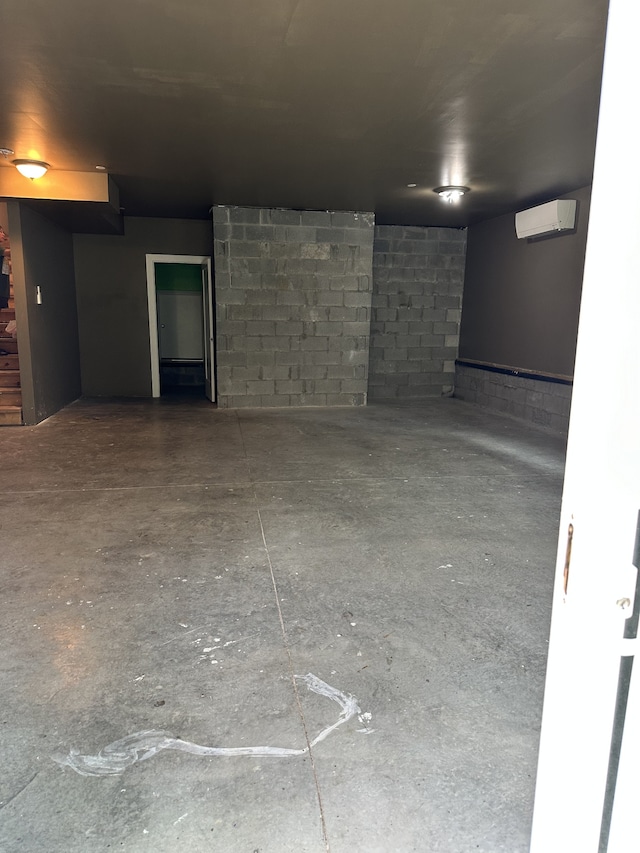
558 215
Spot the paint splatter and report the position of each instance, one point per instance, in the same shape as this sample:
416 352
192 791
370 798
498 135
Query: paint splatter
114 758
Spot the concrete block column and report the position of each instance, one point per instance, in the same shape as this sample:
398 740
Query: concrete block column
293 306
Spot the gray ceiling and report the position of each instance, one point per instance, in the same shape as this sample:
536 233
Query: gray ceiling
333 104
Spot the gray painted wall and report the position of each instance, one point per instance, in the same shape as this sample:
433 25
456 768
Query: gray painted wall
415 323
112 299
522 297
293 304
42 256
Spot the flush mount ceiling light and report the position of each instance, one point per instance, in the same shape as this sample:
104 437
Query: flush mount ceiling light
31 168
451 194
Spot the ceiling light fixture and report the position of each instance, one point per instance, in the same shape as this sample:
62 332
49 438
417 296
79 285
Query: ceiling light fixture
412 185
451 194
31 168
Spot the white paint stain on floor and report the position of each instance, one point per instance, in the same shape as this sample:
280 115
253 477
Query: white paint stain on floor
116 757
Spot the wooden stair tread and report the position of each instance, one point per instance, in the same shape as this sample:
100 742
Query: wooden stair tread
9 379
10 416
10 391
10 397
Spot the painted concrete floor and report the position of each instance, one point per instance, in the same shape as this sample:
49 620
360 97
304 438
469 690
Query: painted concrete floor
169 567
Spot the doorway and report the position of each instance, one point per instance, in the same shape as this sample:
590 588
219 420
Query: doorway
181 325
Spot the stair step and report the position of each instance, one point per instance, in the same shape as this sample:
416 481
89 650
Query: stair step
10 397
9 379
7 314
9 362
10 415
9 345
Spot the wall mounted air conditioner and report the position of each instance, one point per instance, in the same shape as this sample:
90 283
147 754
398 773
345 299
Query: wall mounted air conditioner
559 215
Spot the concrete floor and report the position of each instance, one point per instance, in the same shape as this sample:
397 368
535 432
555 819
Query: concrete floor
407 560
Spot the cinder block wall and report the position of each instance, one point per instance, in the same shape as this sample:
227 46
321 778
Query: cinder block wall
418 275
293 305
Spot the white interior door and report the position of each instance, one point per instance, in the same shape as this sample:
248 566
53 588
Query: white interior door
578 800
180 329
209 343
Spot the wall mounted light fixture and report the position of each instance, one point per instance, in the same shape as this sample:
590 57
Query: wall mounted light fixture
451 194
31 168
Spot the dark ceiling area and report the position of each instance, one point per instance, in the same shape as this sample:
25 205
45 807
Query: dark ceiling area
320 104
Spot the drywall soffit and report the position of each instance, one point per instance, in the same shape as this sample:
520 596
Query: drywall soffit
60 186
